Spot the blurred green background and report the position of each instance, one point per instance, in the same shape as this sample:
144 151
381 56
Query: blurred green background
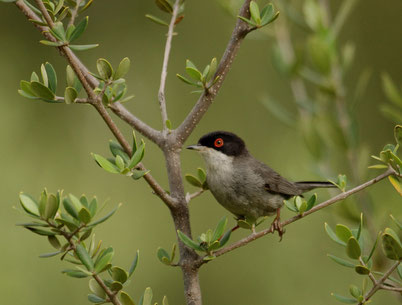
44 145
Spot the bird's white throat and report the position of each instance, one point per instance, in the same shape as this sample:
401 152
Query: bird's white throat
216 162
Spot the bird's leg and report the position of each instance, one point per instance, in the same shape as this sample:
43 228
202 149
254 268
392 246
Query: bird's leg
276 224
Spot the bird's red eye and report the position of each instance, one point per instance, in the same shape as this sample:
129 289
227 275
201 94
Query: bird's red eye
218 142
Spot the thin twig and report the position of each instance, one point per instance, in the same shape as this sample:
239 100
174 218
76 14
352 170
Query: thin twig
168 46
74 13
190 197
378 284
318 207
207 97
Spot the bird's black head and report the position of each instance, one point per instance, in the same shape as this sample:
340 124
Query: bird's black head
223 141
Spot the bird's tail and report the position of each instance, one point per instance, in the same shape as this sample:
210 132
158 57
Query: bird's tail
306 186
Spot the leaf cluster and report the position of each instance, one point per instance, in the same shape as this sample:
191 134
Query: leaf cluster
260 18
210 241
121 163
112 86
362 262
199 181
389 158
300 205
205 79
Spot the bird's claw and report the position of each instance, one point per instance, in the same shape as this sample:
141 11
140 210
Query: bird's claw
277 226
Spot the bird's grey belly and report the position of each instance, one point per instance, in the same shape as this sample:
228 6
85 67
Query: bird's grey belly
243 199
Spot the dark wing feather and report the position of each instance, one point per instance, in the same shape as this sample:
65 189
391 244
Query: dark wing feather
275 183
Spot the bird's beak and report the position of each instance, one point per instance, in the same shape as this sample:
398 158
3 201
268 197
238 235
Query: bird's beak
195 147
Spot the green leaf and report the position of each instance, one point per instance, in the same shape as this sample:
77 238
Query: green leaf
363 270
252 23
333 236
156 20
80 28
93 298
75 273
96 289
54 242
399 271
70 207
84 215
359 230
344 299
26 88
341 261
104 258
52 206
105 164
378 166
267 14
225 238
212 69
105 69
47 255
41 231
147 297
83 47
134 263
84 257
290 205
164 5
399 225
44 75
187 81
355 291
220 228
122 69
192 71
72 80
29 204
396 184
119 274
52 77
165 301
391 244
163 256
137 174
311 202
137 156
255 12
193 180
343 232
202 175
41 91
353 248
58 31
188 241
70 94
106 217
116 149
397 134
126 299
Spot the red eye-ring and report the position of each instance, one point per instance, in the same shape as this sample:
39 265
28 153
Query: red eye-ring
218 142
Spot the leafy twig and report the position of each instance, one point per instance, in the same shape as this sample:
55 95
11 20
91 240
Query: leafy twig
320 206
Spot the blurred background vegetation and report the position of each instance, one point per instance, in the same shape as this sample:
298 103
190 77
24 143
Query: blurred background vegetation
50 145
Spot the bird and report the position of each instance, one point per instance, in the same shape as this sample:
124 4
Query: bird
246 187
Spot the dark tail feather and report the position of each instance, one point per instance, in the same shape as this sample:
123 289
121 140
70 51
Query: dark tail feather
306 186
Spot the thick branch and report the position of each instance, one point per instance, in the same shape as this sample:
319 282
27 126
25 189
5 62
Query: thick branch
207 97
168 46
318 207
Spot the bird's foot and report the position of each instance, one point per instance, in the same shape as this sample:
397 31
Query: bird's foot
277 225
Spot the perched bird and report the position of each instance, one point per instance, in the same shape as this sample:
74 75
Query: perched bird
243 185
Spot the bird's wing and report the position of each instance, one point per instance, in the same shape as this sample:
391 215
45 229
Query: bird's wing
275 183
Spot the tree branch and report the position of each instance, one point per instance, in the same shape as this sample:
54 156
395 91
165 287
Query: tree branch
318 207
122 112
168 46
207 97
378 284
74 13
88 82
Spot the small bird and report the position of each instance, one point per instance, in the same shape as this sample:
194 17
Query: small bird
243 185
